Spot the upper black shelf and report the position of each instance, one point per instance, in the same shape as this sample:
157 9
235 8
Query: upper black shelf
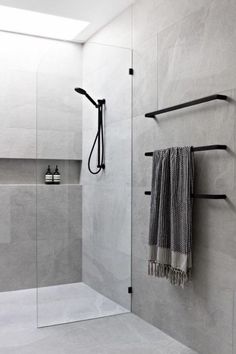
187 104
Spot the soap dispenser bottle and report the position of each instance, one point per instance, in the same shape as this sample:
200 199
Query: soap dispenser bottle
48 176
56 176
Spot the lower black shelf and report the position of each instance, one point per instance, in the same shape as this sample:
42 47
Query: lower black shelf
201 196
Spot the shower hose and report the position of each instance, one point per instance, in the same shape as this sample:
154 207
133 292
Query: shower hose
99 140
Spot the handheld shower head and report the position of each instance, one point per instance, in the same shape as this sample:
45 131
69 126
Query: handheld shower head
83 92
80 90
99 138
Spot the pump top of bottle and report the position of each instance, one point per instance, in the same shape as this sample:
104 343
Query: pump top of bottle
56 170
49 170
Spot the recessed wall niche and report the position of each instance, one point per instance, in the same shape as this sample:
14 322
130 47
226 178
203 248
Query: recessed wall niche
30 171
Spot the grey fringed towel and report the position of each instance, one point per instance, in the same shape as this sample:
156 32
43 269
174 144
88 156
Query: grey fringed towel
170 232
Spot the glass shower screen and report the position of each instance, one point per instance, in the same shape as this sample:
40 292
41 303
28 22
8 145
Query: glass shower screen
83 222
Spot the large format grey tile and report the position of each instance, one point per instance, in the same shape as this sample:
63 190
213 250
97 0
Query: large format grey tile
195 56
35 79
145 76
59 116
61 145
17 237
59 107
18 143
18 171
116 33
18 261
61 57
17 99
106 241
58 262
59 234
199 319
153 16
107 77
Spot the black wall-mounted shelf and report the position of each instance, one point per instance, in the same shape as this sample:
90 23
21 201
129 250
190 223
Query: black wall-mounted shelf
187 104
200 196
200 148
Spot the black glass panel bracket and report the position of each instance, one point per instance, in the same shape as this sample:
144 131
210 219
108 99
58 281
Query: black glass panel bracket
187 104
200 148
200 196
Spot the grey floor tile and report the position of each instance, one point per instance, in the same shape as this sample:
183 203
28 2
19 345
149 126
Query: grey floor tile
116 334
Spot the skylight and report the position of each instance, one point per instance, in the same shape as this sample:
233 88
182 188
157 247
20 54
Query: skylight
39 24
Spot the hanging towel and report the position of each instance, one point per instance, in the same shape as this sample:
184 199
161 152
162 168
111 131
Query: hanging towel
170 232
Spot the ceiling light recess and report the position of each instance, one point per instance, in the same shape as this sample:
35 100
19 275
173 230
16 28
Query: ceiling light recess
39 24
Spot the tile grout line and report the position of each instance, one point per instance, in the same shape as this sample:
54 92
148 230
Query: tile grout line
233 324
157 66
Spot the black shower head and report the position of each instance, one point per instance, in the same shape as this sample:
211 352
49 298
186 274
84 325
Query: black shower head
83 92
80 90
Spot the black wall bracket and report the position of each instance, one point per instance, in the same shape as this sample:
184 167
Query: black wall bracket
130 290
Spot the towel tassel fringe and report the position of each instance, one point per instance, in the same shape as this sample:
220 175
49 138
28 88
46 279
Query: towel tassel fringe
175 276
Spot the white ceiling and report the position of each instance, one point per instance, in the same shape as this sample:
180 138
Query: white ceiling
97 12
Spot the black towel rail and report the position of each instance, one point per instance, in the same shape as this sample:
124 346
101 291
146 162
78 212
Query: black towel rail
187 104
200 148
200 196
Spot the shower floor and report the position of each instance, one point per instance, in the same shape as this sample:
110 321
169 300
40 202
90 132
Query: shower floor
73 302
124 333
56 304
